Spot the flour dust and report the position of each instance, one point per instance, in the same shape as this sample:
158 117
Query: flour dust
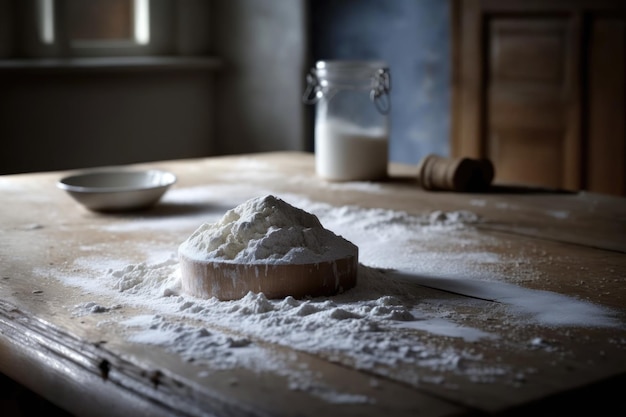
393 320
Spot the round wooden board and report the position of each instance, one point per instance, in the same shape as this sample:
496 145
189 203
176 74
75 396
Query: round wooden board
231 281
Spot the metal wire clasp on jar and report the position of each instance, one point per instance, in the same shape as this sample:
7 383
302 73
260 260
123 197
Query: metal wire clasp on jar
352 108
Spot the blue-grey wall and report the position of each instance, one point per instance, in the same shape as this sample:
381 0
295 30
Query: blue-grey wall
413 37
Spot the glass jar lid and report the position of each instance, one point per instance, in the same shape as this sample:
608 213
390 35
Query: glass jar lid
328 77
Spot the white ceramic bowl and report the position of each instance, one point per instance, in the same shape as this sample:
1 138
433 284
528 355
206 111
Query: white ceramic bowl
117 190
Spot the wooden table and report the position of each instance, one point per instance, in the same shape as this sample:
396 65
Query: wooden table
545 244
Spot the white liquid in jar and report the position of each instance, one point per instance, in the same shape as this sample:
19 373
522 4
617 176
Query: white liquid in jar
345 151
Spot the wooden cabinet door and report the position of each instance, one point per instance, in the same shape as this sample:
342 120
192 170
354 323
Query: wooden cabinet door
531 123
539 89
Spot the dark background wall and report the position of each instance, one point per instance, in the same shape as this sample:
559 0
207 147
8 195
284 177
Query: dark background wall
413 37
251 103
70 117
75 119
65 115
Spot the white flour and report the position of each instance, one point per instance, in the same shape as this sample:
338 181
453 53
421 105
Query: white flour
266 230
365 327
386 321
345 151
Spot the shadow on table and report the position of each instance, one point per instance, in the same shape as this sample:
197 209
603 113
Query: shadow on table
169 209
473 288
525 189
492 189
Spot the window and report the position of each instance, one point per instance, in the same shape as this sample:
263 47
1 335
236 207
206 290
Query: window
104 27
44 29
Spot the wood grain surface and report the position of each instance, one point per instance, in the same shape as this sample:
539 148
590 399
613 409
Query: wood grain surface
231 281
573 244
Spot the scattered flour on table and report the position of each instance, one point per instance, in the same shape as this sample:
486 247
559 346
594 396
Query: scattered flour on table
385 321
366 327
91 307
559 214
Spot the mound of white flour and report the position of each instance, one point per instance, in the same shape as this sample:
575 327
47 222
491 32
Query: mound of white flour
266 230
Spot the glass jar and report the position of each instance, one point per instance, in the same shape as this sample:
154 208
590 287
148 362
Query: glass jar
351 119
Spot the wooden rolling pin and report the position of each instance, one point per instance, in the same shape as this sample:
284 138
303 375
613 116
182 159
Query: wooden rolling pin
437 173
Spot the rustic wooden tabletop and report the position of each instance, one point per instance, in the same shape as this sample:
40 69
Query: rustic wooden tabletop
507 302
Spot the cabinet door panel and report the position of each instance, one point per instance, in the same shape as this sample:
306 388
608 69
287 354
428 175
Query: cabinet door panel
527 49
517 107
535 153
527 106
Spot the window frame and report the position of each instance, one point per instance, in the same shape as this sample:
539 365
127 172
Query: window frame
53 38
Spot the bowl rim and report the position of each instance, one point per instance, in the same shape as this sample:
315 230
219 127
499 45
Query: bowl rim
170 179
